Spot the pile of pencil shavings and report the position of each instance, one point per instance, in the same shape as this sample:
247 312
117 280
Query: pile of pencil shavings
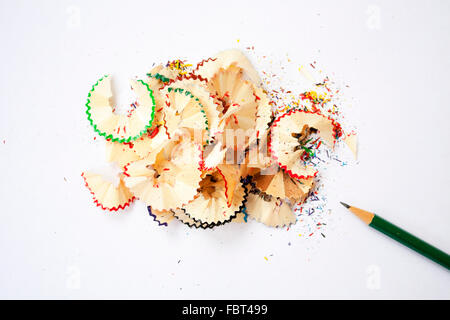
202 144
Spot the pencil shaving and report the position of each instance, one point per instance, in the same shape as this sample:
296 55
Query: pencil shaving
121 128
209 145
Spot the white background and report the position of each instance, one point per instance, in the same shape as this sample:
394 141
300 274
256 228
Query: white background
54 243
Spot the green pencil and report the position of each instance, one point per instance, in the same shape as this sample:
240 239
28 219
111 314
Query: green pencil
401 236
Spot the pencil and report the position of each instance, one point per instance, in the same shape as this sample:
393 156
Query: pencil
401 236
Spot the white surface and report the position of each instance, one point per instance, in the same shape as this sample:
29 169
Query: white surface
55 244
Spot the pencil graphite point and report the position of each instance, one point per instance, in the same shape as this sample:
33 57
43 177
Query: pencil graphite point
345 205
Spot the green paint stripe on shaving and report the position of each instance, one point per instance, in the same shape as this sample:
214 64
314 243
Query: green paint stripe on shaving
202 108
159 77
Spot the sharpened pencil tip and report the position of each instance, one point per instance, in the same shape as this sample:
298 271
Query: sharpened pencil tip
345 205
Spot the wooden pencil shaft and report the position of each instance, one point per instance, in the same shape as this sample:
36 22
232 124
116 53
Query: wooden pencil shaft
364 215
410 241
